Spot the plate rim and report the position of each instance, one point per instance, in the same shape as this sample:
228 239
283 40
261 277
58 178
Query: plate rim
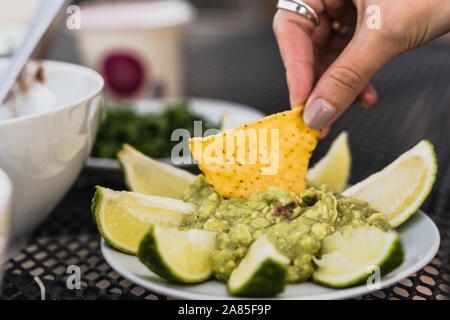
352 291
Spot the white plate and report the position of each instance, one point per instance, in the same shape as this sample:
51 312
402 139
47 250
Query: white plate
418 253
208 109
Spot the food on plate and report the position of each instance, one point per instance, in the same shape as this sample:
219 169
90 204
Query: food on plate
145 175
179 256
149 133
124 217
348 257
295 224
274 234
261 273
29 95
334 168
273 151
400 188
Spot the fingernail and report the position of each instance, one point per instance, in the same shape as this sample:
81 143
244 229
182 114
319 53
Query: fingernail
318 113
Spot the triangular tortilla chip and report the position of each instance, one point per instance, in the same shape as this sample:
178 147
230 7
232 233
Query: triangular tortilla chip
273 151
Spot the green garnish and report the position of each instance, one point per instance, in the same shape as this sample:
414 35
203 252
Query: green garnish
149 133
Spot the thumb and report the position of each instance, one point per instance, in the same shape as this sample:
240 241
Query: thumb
343 81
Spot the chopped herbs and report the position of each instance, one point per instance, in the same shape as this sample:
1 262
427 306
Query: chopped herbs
149 133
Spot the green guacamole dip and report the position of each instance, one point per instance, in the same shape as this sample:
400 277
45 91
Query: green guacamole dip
296 224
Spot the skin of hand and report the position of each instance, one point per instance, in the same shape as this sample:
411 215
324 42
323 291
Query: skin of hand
328 70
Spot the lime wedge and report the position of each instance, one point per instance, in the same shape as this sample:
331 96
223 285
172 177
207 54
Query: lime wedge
123 217
348 257
145 175
400 188
261 273
179 256
334 168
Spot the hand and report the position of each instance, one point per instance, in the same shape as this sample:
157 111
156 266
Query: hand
343 66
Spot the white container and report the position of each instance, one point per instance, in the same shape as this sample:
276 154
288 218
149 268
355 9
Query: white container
5 209
44 153
136 46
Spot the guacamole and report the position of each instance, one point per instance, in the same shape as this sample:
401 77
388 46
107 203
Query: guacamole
296 224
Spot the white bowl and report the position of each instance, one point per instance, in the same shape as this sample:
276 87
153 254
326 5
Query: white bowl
5 209
44 153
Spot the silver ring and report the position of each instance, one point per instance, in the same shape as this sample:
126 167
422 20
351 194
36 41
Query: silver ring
301 8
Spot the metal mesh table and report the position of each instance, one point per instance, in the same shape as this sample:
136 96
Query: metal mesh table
414 104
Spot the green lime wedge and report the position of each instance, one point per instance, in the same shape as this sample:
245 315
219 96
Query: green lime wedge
145 175
400 188
261 273
179 256
334 168
123 217
350 256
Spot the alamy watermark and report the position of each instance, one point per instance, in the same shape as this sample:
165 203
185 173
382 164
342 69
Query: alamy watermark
237 147
74 280
374 19
73 20
374 280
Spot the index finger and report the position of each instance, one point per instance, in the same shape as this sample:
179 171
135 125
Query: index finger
293 34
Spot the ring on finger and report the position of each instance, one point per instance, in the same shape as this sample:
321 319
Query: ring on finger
301 8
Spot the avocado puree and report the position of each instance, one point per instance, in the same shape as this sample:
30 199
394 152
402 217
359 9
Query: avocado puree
296 224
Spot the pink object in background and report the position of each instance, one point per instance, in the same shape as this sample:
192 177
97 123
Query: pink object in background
124 73
136 46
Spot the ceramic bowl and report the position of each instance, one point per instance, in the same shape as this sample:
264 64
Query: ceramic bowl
5 210
44 153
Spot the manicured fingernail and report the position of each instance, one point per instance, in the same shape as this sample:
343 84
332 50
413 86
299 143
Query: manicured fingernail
318 113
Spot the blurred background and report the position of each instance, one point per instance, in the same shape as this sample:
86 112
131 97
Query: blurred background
215 47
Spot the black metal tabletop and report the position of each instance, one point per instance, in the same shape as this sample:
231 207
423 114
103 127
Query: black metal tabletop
414 104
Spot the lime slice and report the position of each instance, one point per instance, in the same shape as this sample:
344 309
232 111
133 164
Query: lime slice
399 189
334 168
123 218
145 175
262 272
179 256
225 121
348 257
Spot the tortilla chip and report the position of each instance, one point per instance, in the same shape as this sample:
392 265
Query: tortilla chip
273 151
